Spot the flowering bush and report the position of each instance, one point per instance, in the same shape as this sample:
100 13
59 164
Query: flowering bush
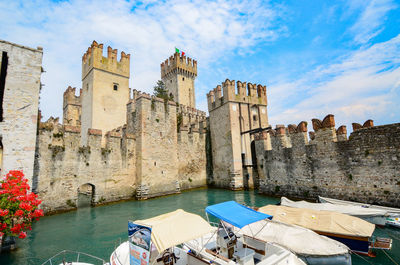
18 206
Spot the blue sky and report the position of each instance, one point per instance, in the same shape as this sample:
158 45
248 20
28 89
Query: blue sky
316 57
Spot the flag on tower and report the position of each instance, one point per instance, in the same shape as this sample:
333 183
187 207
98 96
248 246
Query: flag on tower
178 51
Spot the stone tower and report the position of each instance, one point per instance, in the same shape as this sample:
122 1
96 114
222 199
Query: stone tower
233 119
72 107
178 74
105 89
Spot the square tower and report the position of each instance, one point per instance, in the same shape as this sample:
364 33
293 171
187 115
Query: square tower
234 115
105 89
178 74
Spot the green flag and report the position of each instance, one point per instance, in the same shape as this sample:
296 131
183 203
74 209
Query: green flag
177 50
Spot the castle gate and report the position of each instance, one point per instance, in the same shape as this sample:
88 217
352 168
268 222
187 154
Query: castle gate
86 195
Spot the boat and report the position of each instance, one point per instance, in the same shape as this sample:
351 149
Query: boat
69 257
311 247
392 217
167 231
374 216
232 247
351 231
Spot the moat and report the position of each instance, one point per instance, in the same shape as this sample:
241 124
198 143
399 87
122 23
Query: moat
98 231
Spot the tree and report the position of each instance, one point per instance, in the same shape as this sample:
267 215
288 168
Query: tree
18 206
161 91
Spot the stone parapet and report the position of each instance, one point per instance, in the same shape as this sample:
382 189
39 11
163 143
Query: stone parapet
180 64
243 93
93 58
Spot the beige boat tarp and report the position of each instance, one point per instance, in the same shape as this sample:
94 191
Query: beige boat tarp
298 239
174 228
345 209
322 221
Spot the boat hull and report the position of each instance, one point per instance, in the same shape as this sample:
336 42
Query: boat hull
360 245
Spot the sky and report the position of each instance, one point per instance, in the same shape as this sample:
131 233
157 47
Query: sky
315 57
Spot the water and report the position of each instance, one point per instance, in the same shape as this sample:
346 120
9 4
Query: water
97 230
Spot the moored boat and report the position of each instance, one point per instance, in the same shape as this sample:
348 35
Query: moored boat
392 216
74 258
167 231
351 231
311 247
374 216
232 247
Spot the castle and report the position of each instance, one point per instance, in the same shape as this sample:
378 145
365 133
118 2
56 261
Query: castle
114 143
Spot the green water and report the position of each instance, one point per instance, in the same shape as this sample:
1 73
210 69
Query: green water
98 230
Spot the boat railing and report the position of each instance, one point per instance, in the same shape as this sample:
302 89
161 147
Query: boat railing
73 256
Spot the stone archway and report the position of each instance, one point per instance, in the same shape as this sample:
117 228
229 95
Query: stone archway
86 194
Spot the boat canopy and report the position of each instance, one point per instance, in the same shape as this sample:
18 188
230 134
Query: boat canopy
320 221
295 238
235 213
346 209
174 228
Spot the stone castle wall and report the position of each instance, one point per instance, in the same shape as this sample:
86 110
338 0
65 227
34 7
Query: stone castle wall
364 168
63 165
146 157
167 160
20 107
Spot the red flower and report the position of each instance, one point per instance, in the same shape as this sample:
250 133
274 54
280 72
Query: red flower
18 205
19 213
3 212
22 234
37 213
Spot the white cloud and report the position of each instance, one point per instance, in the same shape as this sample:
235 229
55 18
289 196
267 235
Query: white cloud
371 20
206 30
362 85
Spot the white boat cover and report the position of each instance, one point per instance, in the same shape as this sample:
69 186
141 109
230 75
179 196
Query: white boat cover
346 209
389 210
320 221
174 228
299 240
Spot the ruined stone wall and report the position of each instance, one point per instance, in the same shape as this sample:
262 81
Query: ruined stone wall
20 107
364 168
63 165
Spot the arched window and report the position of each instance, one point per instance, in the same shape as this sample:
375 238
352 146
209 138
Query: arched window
115 86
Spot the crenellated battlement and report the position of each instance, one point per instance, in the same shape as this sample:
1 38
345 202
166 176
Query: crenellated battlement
243 92
179 64
93 58
58 133
324 132
363 167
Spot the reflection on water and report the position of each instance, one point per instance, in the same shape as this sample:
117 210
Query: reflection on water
98 231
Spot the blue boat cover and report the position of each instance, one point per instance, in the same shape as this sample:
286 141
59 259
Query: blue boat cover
235 213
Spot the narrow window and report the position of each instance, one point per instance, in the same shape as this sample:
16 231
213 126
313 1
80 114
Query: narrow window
3 73
115 87
183 79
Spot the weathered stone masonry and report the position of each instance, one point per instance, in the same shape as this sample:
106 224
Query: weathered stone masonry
20 107
364 168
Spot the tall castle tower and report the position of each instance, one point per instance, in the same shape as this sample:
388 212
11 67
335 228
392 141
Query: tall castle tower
105 89
178 74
